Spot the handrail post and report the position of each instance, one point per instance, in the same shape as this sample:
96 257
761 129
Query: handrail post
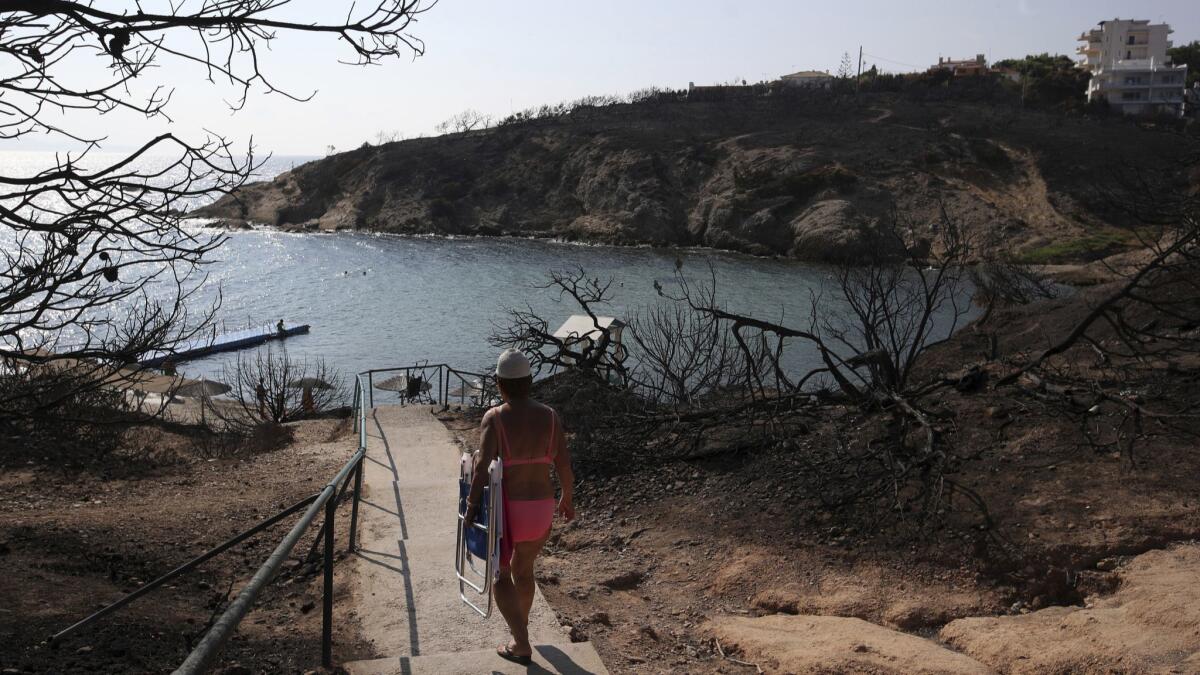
371 386
357 399
354 506
327 596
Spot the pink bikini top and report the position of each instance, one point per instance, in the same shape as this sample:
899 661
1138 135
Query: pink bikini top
509 460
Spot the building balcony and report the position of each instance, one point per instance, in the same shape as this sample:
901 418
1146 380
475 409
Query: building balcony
1156 88
1147 65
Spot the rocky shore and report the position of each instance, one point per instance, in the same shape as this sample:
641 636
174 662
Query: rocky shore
810 179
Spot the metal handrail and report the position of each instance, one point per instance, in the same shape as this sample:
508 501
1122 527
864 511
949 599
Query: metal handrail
206 651
183 569
201 658
210 645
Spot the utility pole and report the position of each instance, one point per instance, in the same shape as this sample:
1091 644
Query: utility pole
858 80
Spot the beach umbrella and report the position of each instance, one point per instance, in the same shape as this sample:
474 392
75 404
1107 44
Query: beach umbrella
399 383
310 383
68 366
202 388
35 352
145 381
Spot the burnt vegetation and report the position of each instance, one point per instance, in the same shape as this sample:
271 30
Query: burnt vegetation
703 379
885 425
1139 336
269 387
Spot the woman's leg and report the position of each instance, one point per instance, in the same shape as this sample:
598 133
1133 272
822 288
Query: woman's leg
514 593
522 572
505 594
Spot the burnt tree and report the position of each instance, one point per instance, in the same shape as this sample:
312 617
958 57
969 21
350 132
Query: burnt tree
98 269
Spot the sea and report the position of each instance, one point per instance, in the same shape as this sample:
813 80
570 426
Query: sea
379 300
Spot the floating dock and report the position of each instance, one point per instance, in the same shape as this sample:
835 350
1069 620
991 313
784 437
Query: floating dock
225 342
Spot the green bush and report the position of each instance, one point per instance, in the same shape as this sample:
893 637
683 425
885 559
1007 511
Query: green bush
1087 248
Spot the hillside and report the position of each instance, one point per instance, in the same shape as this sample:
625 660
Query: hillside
804 177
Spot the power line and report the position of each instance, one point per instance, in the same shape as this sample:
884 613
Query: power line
898 63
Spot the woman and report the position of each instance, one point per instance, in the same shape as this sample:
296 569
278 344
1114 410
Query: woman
528 438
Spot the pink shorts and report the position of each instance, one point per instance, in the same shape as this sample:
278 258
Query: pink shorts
528 519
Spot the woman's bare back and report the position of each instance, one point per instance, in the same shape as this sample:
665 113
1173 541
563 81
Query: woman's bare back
530 430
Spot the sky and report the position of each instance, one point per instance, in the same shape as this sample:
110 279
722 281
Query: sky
498 57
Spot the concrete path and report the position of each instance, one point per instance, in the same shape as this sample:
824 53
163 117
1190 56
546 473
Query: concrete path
402 586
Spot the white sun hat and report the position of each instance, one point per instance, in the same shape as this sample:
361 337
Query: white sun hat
512 365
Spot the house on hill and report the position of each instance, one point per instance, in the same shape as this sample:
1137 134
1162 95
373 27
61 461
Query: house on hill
962 67
817 79
1130 67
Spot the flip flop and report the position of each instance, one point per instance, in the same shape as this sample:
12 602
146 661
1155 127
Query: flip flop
506 653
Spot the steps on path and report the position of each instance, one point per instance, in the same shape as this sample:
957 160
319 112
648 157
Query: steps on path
563 659
404 596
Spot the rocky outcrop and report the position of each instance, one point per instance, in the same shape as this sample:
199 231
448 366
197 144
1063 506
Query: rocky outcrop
230 224
769 178
1143 618
1150 624
835 229
834 644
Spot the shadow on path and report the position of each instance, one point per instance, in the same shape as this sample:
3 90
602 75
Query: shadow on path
409 601
391 466
378 507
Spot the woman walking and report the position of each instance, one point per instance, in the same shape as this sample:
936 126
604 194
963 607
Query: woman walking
528 438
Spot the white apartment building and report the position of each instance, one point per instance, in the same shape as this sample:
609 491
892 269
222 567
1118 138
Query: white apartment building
1130 67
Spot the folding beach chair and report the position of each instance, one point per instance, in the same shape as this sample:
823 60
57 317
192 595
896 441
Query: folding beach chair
477 551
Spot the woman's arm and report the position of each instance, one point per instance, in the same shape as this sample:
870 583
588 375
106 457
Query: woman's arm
566 475
483 458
